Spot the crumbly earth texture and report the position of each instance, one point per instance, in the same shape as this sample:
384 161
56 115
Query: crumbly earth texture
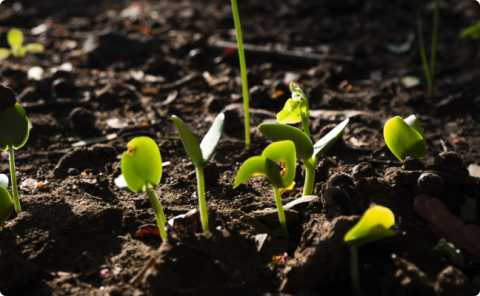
115 70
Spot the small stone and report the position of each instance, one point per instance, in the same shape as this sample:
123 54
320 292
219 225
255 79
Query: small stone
62 88
340 178
451 162
413 164
363 170
7 97
430 184
73 172
82 119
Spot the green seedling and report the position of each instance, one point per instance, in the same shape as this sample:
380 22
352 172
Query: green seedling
266 166
243 71
15 40
373 226
142 170
473 32
405 137
296 110
200 154
6 202
13 133
429 69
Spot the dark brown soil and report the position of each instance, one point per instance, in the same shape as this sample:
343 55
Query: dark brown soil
124 68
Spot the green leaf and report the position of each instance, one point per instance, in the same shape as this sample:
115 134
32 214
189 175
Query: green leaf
13 127
373 226
3 181
327 141
18 51
212 138
404 139
4 53
283 152
142 164
297 92
279 132
121 183
259 166
6 205
473 32
415 124
15 37
190 142
290 113
34 47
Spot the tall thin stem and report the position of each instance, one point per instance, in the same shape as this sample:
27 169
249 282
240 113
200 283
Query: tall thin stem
13 176
202 202
426 68
309 176
434 43
281 213
243 70
159 215
355 275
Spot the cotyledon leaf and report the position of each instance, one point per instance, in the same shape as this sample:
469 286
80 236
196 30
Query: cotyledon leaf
212 138
404 140
189 141
279 132
327 141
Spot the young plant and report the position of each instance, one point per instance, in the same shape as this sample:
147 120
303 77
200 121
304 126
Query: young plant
373 226
429 69
474 33
405 137
6 202
200 154
265 166
296 110
142 170
13 133
243 71
15 40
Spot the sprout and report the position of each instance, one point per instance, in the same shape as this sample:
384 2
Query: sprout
13 133
265 166
15 40
405 137
373 226
296 110
243 70
6 202
200 154
429 69
142 171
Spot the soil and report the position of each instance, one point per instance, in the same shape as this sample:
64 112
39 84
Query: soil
123 68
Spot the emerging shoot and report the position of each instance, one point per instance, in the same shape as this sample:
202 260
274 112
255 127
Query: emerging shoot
405 137
429 69
200 154
15 40
13 133
297 110
265 166
373 226
142 171
243 71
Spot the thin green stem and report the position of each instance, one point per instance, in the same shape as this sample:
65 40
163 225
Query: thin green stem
157 209
243 70
202 202
306 128
434 43
423 54
281 213
355 275
13 176
310 165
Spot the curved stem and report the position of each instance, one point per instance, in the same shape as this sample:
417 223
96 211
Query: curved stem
310 165
306 128
281 213
157 209
202 202
355 275
13 176
243 70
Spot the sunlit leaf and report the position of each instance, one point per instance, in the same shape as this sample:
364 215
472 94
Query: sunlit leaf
297 91
4 53
13 127
190 142
212 138
142 164
405 140
283 152
6 205
3 180
329 139
34 47
280 132
18 51
15 37
259 166
374 225
290 113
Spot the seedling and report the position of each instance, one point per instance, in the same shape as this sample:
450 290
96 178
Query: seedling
405 137
6 202
142 170
373 226
296 110
243 71
15 40
200 155
473 32
265 166
429 69
13 133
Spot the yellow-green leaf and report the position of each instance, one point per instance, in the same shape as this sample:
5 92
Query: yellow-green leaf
6 205
18 51
327 141
405 138
280 132
190 142
15 37
4 53
142 164
373 226
35 47
259 166
283 152
13 127
290 113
